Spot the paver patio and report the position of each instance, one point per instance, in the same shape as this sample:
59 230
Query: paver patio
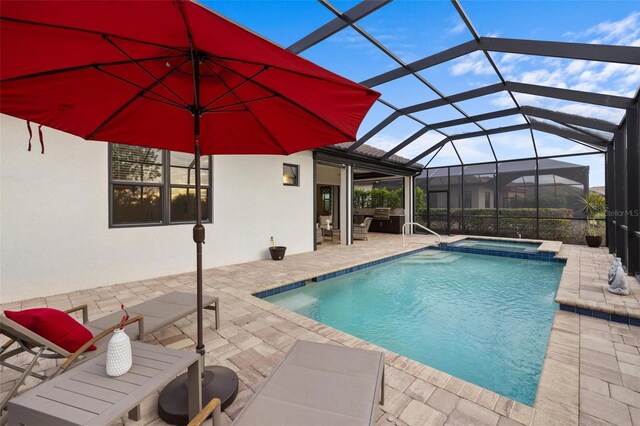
591 373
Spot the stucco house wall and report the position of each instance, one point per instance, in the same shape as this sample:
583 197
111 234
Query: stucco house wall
54 217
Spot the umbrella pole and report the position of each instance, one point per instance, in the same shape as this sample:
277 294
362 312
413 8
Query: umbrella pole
217 381
198 229
198 237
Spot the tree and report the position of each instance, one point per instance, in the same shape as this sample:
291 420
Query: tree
420 202
591 206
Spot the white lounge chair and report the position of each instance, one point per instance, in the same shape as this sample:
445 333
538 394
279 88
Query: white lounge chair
315 384
319 384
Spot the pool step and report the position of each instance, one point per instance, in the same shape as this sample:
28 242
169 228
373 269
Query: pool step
430 254
441 257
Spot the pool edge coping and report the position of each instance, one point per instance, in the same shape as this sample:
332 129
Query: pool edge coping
270 290
567 296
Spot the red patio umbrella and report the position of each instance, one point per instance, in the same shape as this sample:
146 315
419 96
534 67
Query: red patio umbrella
171 75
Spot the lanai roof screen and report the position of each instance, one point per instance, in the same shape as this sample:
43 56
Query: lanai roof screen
511 74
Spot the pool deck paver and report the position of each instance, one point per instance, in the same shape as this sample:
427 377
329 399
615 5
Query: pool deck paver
591 373
584 283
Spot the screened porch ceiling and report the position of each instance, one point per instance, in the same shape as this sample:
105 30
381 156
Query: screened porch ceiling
452 89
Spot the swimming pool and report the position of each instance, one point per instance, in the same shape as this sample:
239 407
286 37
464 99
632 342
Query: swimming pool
501 245
484 319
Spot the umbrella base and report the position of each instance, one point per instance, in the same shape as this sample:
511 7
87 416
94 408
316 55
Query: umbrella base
217 382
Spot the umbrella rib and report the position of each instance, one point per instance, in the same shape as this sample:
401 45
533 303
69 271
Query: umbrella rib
81 30
315 77
229 89
218 109
168 101
145 70
103 34
266 130
82 67
291 101
130 101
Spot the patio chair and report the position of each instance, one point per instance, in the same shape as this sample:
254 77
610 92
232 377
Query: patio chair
39 347
325 222
360 230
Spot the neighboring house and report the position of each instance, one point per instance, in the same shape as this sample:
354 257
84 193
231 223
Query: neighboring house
560 185
85 215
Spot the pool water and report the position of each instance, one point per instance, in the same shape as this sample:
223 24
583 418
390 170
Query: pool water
509 246
484 319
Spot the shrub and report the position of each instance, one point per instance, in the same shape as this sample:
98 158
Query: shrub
378 197
554 224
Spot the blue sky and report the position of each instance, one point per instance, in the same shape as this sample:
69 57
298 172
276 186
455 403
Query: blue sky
415 29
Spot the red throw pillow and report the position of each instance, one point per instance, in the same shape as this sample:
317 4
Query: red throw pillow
56 326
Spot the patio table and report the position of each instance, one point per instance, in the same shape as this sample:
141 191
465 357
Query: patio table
332 233
85 395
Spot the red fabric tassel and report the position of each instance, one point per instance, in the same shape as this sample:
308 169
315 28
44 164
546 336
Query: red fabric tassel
41 139
30 134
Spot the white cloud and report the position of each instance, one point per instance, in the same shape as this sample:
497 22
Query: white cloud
507 58
594 111
421 144
509 62
458 28
576 67
503 100
474 150
475 63
544 77
622 32
385 142
587 76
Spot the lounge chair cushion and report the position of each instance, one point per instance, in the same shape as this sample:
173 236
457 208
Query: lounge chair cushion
56 326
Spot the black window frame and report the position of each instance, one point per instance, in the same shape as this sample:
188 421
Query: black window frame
296 169
165 187
467 202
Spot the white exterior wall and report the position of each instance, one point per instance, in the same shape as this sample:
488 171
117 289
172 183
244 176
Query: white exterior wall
54 217
477 197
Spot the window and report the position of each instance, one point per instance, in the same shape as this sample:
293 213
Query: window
290 174
487 200
325 194
467 200
183 187
155 187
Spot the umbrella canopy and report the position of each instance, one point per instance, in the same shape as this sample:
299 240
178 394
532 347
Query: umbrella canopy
170 75
124 72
